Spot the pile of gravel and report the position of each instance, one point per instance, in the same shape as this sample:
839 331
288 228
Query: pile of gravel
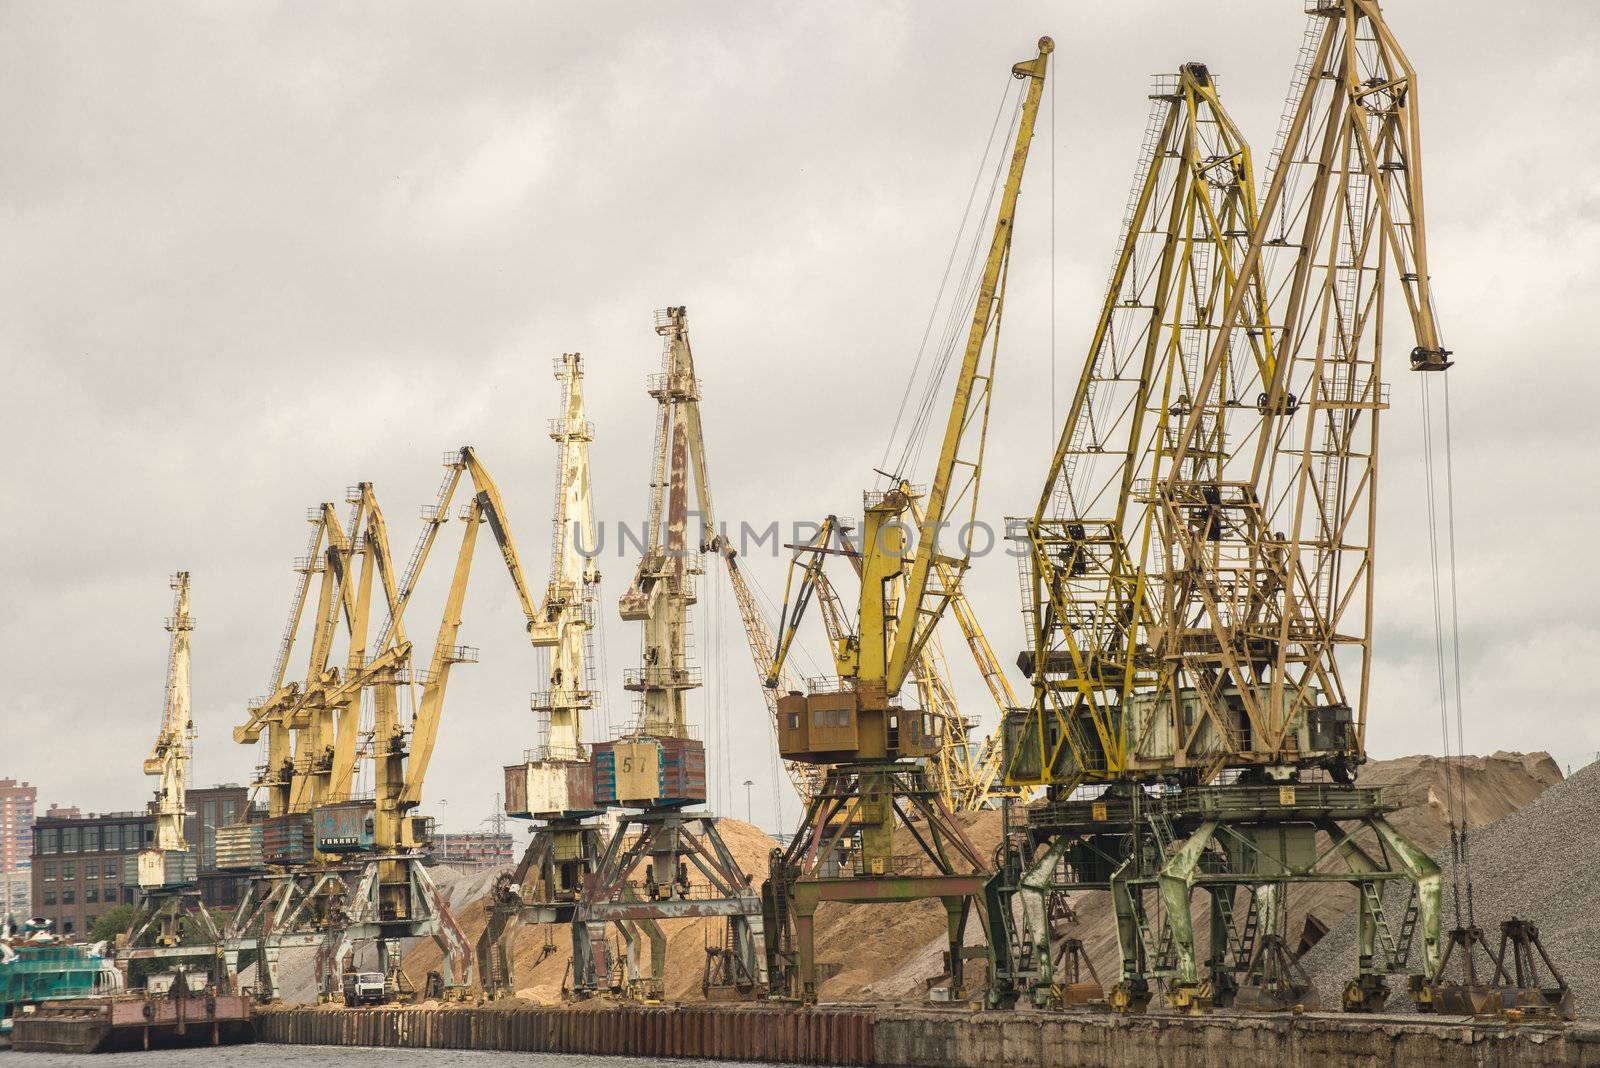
1537 864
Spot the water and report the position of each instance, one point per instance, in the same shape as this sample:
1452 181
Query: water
263 1055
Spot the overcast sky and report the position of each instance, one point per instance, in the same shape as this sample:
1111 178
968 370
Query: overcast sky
258 252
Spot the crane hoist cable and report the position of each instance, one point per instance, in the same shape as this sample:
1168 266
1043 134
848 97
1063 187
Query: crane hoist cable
1447 640
945 342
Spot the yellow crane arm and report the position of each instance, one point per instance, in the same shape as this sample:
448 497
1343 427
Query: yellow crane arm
969 410
486 508
493 510
797 596
425 725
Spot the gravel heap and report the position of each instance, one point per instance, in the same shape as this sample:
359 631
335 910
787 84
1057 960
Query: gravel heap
1537 864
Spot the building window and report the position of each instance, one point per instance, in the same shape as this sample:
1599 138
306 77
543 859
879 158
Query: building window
112 838
50 841
69 896
211 813
91 894
49 871
127 895
91 839
88 923
113 870
66 926
227 812
69 870
50 896
71 838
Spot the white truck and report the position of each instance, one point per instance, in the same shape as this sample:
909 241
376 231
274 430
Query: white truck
365 988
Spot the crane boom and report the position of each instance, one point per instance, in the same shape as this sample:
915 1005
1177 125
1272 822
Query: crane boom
485 508
966 428
1276 537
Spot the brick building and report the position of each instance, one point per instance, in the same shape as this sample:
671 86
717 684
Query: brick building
17 802
484 849
210 808
78 864
78 860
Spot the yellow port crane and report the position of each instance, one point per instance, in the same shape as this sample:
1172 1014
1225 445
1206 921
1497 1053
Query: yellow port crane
173 751
554 785
312 725
1095 572
666 860
1270 530
844 848
365 881
1200 572
166 875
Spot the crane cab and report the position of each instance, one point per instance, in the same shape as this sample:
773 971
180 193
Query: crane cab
843 721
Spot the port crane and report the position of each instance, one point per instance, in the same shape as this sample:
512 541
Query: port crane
1273 601
312 729
666 860
554 785
1228 656
844 848
166 875
311 725
360 877
394 897
1094 570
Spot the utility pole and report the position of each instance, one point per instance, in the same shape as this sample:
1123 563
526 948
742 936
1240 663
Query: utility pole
749 813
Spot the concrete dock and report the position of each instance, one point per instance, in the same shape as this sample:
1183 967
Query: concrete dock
902 1037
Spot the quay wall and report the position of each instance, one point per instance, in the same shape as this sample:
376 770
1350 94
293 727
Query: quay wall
895 1037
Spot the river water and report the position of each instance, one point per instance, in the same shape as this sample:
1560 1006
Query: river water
263 1055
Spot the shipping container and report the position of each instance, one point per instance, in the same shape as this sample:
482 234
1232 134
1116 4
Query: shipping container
545 789
239 847
343 827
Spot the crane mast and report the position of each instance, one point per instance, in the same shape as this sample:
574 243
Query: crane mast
663 586
170 757
169 918
554 785
566 616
